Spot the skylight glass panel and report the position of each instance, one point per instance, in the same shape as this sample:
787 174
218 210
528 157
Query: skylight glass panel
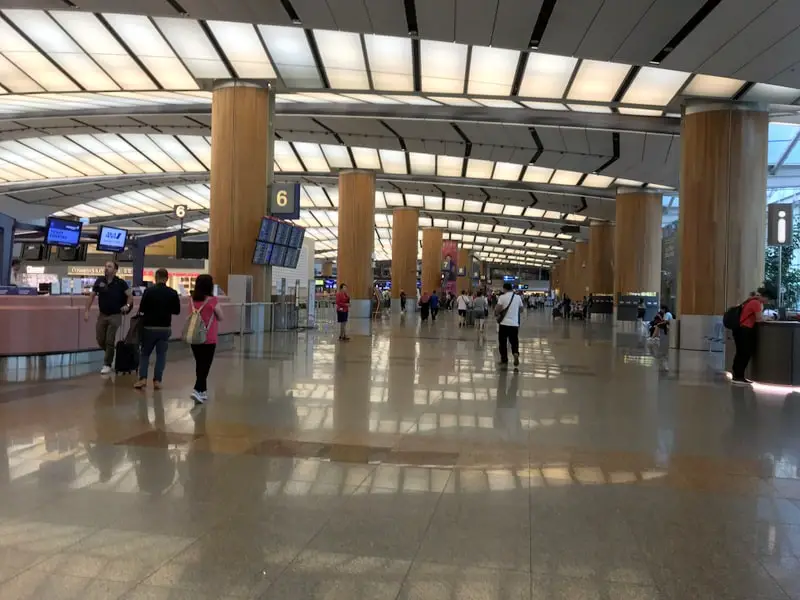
442 223
338 157
285 157
288 47
470 226
546 75
393 198
552 214
56 153
443 66
534 174
563 236
46 34
15 80
449 166
479 169
390 62
14 47
433 203
589 108
473 206
146 146
127 161
415 200
415 100
393 161
630 182
547 234
775 94
562 177
507 171
597 181
152 50
366 158
343 58
497 103
654 86
493 208
712 87
576 218
317 196
454 204
597 81
642 112
491 71
312 157
178 152
513 210
374 98
422 164
199 147
545 105
454 101
487 226
192 45
241 44
25 157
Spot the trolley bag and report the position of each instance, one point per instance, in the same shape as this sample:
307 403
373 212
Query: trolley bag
469 318
556 312
126 353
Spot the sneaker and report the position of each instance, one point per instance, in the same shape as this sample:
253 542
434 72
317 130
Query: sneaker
741 381
516 360
156 385
198 397
105 370
142 383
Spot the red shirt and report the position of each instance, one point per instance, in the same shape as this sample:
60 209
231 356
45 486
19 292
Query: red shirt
750 309
209 318
342 302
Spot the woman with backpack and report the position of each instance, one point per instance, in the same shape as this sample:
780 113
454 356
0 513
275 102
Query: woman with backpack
201 332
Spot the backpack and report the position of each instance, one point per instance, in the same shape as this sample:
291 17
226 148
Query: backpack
732 317
195 331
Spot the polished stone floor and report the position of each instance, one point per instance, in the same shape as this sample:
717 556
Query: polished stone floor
405 465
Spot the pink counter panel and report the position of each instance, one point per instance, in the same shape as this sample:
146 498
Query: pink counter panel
36 325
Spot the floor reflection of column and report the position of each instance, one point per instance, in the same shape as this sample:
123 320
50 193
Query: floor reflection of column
402 372
353 388
5 466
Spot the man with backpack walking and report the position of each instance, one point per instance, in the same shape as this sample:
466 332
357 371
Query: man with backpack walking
741 320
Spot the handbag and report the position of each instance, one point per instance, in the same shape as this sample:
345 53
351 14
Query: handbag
134 335
195 331
503 314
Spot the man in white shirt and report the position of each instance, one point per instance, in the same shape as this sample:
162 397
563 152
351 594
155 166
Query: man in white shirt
462 304
508 307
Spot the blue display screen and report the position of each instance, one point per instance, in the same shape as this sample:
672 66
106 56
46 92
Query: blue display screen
111 239
269 228
284 233
61 232
278 256
262 253
292 257
296 237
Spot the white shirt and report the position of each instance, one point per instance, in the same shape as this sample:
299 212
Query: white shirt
462 302
15 279
512 314
668 316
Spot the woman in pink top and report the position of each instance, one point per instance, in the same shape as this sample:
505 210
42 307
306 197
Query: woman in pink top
203 299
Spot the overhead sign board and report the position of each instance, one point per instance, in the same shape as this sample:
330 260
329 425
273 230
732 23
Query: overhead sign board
284 200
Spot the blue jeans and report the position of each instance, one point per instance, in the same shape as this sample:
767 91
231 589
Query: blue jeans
158 339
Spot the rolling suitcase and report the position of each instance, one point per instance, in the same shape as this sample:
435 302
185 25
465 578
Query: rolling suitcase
469 318
126 353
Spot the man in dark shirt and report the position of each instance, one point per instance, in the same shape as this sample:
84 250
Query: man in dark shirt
158 305
113 299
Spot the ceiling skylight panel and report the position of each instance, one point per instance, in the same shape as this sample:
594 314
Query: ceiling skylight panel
14 172
99 149
654 86
288 47
193 47
119 146
25 157
177 152
16 49
562 177
546 75
70 148
590 108
493 208
374 98
449 166
433 203
507 171
168 201
442 223
454 101
366 158
390 62
333 196
393 161
415 200
343 57
470 226
766 92
491 71
713 87
312 157
380 200
422 164
149 46
513 210
15 80
197 192
106 51
576 218
473 206
534 174
242 46
145 145
497 103
443 66
551 214
317 196
454 204
545 105
597 81
285 157
642 112
45 147
199 146
479 169
338 157
393 198
597 181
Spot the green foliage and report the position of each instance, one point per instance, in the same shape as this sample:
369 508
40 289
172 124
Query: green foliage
791 275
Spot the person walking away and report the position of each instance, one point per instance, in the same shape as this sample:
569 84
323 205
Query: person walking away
507 312
745 335
566 303
207 305
481 308
158 304
342 311
15 277
462 305
434 305
402 301
114 299
424 305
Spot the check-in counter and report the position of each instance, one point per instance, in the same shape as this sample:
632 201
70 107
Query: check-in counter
777 356
42 325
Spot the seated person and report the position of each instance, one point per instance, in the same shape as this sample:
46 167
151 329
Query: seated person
659 324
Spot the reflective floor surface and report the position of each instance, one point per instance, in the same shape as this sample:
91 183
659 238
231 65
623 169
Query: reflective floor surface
405 465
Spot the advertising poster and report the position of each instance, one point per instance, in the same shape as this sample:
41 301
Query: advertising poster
449 266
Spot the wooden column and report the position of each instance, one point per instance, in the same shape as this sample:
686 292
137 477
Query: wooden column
723 187
240 155
581 269
405 229
356 238
463 282
567 275
327 269
637 246
601 258
431 259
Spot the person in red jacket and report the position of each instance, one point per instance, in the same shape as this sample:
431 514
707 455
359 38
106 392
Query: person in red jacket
745 334
342 311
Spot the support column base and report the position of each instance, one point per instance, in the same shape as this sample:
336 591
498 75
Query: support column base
360 309
410 306
700 332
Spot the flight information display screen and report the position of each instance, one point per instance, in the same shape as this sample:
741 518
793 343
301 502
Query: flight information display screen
111 239
284 233
62 232
262 253
292 257
296 238
278 244
269 228
278 256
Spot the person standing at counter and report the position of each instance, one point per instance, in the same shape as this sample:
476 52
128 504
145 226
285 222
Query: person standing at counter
15 277
745 334
114 299
158 304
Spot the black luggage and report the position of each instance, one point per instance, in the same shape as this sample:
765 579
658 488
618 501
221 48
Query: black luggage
126 358
556 312
469 318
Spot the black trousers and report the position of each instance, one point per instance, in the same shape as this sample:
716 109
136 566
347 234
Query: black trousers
434 312
745 338
508 334
203 357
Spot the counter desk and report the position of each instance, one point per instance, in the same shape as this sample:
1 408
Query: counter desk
777 356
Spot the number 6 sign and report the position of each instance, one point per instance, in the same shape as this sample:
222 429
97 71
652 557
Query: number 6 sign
284 201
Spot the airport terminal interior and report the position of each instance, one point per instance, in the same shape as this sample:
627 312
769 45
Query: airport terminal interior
638 157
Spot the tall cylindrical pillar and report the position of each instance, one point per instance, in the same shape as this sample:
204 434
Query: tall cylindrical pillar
240 153
431 259
637 252
356 238
581 269
723 186
405 227
327 269
601 258
566 276
463 281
